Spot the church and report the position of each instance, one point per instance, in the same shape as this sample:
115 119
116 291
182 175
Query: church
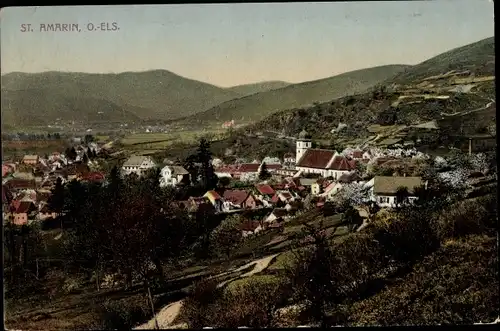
327 163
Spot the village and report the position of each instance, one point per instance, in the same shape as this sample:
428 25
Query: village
277 189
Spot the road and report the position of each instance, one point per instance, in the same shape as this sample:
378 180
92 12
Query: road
465 112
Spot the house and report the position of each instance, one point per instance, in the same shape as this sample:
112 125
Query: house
45 213
307 182
277 215
250 227
17 184
289 159
285 196
331 190
23 212
285 172
138 164
382 189
216 200
240 199
265 190
30 159
199 204
76 170
93 177
248 171
325 162
319 186
173 175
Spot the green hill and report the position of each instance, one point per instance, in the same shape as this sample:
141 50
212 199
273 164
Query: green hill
478 58
257 106
248 89
460 97
34 107
157 94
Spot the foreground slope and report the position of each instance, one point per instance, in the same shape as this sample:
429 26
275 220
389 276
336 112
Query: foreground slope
255 107
159 94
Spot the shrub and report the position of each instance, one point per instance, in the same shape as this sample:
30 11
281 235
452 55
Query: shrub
200 307
123 314
251 304
467 217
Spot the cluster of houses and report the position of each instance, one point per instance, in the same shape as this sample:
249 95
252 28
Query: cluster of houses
317 173
310 175
27 184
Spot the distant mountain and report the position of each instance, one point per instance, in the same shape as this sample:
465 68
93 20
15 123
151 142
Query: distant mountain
256 106
456 89
249 89
157 94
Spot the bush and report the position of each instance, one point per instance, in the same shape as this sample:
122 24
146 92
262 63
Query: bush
468 217
201 306
123 314
251 304
410 237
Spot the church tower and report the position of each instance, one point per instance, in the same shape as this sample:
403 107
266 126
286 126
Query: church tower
303 144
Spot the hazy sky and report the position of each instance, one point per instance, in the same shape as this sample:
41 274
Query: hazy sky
230 44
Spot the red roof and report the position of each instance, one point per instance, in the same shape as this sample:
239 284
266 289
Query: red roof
357 154
286 195
249 167
24 207
274 199
236 196
342 163
19 184
316 158
94 176
265 189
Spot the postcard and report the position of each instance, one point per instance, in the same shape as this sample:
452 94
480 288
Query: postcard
250 165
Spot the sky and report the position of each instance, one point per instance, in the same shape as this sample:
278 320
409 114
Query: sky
232 44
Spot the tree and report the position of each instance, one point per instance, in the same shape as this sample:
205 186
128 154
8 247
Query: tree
352 218
71 153
56 199
263 172
227 235
204 155
88 138
312 277
85 159
224 181
402 195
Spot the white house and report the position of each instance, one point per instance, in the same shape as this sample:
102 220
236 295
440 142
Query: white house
325 162
382 189
172 175
138 164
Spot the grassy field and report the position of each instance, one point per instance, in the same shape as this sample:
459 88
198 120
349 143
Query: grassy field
159 141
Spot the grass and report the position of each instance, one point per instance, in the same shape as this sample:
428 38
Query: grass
159 141
235 285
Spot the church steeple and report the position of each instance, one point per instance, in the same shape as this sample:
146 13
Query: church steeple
304 142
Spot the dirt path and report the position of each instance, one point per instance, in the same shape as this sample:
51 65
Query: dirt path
168 314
